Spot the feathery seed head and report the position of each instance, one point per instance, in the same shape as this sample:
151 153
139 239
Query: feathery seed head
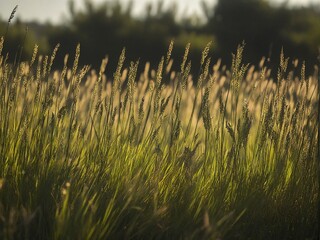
34 54
1 44
303 72
131 81
205 52
76 60
205 112
13 13
206 68
158 86
283 67
44 66
169 52
159 74
185 75
53 56
238 69
117 75
185 57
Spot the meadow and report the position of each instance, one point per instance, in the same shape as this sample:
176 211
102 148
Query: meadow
225 154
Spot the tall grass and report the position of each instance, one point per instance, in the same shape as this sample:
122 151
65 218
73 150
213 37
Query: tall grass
226 154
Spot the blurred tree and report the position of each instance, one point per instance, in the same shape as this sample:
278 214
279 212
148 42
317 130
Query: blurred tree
254 21
21 38
265 28
108 27
105 28
303 31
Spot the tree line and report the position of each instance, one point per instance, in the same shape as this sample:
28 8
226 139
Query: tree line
104 29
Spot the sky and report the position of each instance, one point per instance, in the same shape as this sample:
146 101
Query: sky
55 11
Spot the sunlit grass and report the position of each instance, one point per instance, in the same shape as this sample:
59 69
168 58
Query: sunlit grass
227 154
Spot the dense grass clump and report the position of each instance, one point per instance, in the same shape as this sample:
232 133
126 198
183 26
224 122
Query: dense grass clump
161 155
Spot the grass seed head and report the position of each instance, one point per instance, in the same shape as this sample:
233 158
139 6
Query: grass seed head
158 87
131 81
283 67
169 52
53 56
205 111
1 45
185 57
76 60
238 69
44 66
205 52
13 13
117 74
34 54
186 75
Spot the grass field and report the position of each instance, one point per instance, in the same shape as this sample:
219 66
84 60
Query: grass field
226 154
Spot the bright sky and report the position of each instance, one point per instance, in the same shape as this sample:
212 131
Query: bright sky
55 10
